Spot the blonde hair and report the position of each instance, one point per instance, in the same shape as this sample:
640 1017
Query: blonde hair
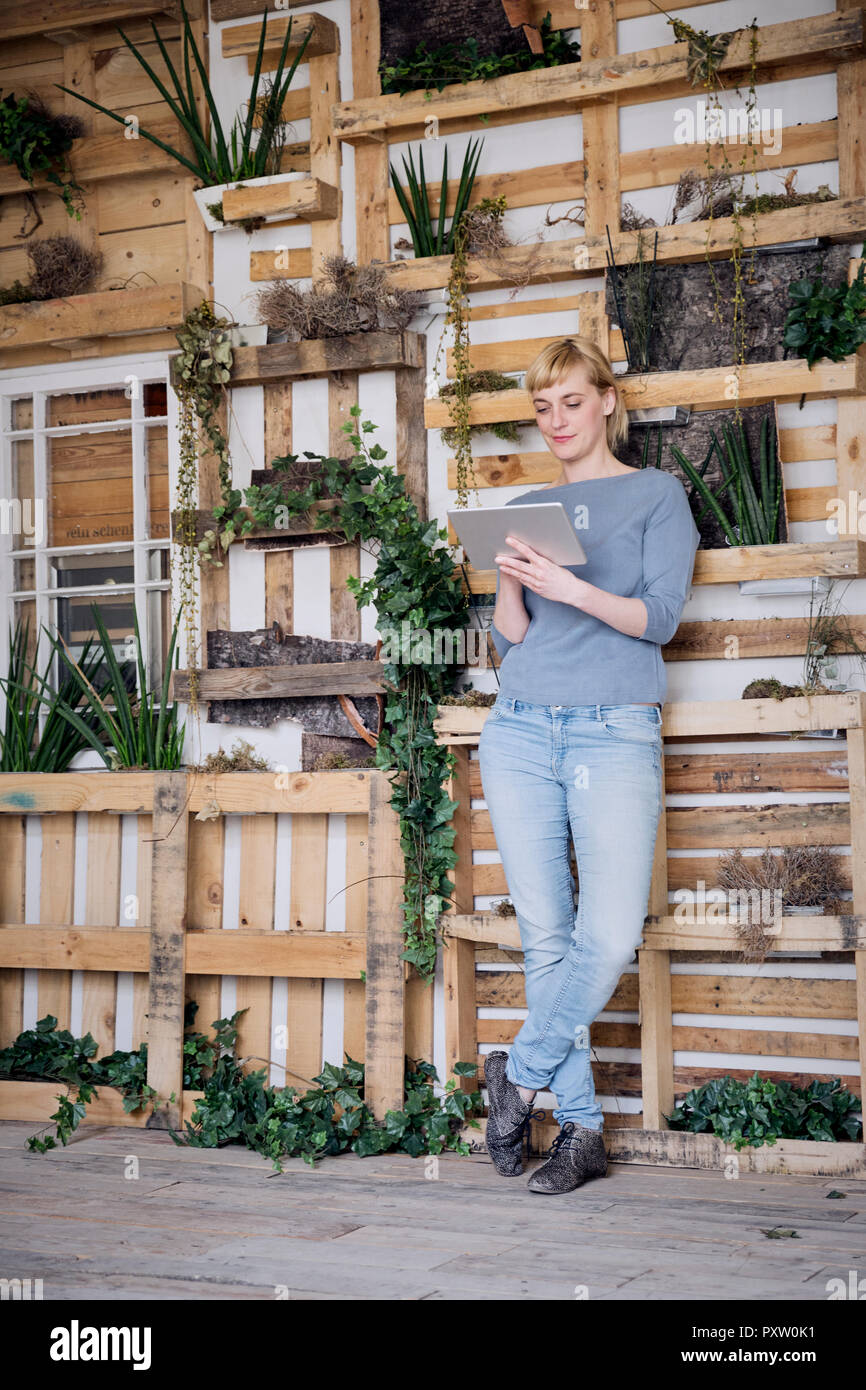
559 357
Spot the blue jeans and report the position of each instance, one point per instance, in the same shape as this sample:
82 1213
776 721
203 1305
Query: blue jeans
597 770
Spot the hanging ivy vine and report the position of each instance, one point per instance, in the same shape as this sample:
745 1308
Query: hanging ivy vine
420 610
201 372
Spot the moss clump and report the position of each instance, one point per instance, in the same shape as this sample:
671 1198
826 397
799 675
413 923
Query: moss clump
243 758
330 762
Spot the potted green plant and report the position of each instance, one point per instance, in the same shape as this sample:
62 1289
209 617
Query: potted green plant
38 143
219 161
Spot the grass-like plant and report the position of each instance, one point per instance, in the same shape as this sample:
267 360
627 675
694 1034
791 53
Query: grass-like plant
23 747
125 729
220 158
425 240
753 503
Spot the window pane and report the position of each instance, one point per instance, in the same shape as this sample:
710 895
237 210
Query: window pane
24 575
72 619
25 612
22 516
156 438
155 399
90 488
22 413
87 407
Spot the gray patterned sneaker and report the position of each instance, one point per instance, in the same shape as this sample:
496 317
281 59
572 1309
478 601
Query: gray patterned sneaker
575 1155
508 1117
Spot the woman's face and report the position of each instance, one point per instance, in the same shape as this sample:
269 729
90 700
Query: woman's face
572 414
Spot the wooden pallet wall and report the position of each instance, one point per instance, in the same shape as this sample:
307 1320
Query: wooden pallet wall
158 886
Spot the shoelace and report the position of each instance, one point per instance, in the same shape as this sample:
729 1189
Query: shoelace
564 1137
527 1126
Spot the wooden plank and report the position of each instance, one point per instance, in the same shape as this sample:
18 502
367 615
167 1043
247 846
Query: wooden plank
703 718
749 638
325 158
143 887
168 947
372 197
60 17
279 565
458 955
109 312
308 200
759 996
840 219
274 682
360 352
106 156
246 793
702 389
261 954
242 40
37 1100
13 855
355 898
256 913
292 263
833 38
385 1033
411 443
99 989
752 562
205 910
57 885
857 786
344 561
37 792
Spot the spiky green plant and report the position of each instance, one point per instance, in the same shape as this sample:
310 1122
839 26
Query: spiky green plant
753 510
217 159
418 215
125 730
23 746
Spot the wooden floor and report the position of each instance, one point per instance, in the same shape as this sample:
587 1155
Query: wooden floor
199 1224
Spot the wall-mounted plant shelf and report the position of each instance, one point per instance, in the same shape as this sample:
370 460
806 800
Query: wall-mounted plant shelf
307 199
705 718
542 92
355 352
839 219
243 39
708 388
67 21
842 558
110 313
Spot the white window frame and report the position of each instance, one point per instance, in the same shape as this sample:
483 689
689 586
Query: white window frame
61 379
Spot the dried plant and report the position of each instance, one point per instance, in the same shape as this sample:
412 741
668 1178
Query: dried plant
349 299
804 875
62 266
633 221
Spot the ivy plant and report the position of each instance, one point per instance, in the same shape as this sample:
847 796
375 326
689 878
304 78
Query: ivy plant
451 62
760 1111
237 1106
38 143
824 321
413 583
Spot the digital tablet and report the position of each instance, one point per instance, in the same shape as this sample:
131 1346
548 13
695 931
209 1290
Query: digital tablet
543 525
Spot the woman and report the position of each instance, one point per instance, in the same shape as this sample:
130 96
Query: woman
573 742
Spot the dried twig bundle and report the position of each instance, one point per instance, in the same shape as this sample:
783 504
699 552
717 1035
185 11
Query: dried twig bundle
804 875
350 299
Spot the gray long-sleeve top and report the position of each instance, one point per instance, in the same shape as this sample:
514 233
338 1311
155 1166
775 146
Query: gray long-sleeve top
640 540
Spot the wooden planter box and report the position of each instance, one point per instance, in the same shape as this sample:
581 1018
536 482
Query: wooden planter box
571 87
110 313
842 220
354 352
